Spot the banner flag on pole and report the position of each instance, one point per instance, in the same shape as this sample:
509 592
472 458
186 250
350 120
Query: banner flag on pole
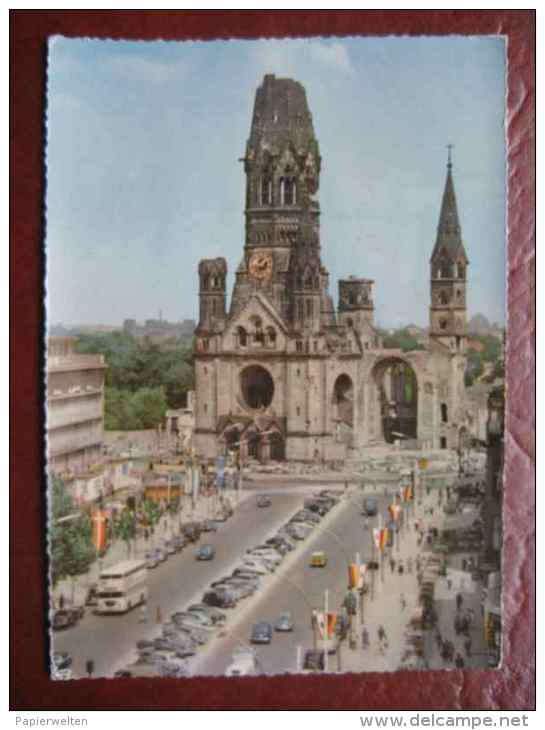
408 493
363 572
376 537
383 538
99 530
353 575
331 622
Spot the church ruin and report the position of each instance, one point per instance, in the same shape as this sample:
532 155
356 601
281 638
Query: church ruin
282 373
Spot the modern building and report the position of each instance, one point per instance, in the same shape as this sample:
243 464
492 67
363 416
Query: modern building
281 371
75 406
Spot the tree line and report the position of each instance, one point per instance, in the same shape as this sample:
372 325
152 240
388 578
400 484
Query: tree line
143 378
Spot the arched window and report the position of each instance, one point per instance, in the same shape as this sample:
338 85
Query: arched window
350 322
242 337
443 297
287 191
300 310
309 308
444 413
271 336
461 271
443 323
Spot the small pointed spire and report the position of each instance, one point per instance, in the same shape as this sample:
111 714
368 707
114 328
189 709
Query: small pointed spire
449 234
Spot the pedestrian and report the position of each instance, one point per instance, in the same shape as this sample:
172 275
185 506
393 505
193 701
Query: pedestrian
61 601
143 613
403 601
89 667
459 601
392 565
449 584
467 646
417 565
364 638
459 661
438 638
381 633
400 567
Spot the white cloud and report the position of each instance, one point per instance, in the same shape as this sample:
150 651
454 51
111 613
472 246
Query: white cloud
290 56
332 54
134 68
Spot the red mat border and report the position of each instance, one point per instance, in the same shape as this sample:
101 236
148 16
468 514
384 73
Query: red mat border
512 687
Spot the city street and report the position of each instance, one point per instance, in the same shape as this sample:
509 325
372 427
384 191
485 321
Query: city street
110 640
344 535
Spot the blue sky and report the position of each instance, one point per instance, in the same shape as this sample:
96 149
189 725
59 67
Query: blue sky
143 177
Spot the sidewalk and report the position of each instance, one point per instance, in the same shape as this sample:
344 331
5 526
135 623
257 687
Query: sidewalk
386 608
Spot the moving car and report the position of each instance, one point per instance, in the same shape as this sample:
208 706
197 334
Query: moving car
192 531
370 506
284 622
318 559
314 661
262 633
205 552
244 663
264 501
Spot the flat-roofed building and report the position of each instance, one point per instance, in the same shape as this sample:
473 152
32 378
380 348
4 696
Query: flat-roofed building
75 406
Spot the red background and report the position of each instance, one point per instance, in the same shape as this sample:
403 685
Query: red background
511 687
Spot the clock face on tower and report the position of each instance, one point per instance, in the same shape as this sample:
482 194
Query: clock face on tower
260 266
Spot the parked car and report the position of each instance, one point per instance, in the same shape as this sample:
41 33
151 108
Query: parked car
216 616
271 555
318 559
179 542
169 547
192 618
192 531
161 554
209 526
259 565
284 622
261 633
219 599
264 501
63 619
205 552
152 559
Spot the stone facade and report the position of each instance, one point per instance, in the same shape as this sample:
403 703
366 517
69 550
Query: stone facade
281 373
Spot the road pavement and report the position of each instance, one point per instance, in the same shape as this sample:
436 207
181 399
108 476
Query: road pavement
110 640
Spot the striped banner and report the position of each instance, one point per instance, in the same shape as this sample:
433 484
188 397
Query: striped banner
353 575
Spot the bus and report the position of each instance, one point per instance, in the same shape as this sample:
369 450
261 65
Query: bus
122 586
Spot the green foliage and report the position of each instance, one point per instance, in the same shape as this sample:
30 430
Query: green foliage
492 352
71 547
152 512
143 379
126 411
125 526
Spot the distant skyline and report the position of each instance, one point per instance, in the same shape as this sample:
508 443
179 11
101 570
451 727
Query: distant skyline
143 177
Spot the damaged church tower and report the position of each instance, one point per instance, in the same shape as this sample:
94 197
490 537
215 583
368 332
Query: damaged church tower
279 374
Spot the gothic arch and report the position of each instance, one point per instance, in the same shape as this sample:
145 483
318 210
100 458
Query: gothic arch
396 389
343 399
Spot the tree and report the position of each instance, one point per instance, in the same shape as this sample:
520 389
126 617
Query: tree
71 542
125 527
149 406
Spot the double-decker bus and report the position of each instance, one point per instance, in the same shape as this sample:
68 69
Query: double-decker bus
122 586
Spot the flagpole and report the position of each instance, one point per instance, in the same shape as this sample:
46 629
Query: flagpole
326 656
360 586
381 551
